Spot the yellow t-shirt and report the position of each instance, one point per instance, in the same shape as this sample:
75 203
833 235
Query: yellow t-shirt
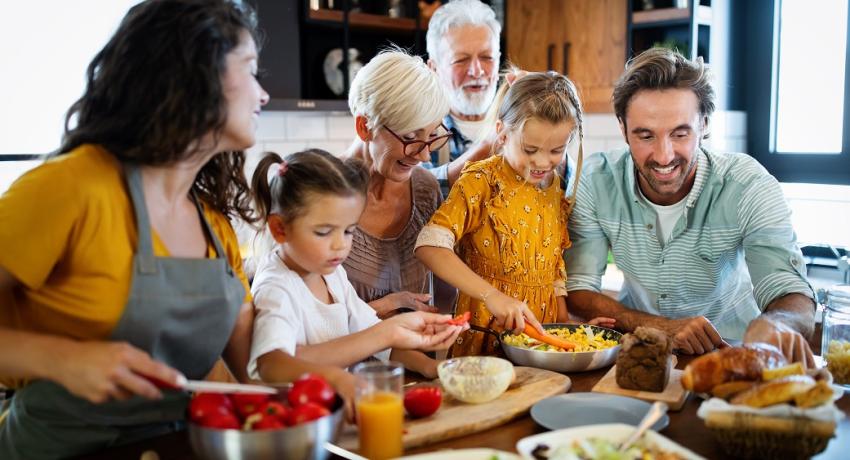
68 235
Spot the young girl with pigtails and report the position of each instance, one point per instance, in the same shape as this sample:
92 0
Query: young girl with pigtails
500 234
305 305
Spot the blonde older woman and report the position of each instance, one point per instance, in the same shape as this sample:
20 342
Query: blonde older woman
398 106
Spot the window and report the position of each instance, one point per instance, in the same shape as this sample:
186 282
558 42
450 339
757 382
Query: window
46 46
793 56
809 74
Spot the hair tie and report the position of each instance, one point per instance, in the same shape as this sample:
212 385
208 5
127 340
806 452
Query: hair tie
275 170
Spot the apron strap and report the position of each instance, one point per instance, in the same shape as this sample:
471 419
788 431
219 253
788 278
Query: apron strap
144 251
219 250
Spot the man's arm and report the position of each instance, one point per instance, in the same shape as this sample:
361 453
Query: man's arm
788 322
478 151
777 270
691 335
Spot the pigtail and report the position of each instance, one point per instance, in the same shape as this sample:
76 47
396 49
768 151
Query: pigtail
492 115
261 186
572 94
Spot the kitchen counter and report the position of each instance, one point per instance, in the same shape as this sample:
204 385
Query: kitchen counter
685 428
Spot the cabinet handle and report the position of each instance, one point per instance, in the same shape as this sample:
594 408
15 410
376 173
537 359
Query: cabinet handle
550 54
566 57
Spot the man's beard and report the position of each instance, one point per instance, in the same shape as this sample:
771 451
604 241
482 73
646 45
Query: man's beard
672 186
473 104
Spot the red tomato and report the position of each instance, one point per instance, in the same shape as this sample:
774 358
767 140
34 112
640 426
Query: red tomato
311 388
460 320
422 401
275 409
220 421
248 403
307 412
204 404
263 421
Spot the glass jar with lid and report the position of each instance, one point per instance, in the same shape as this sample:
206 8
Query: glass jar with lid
835 347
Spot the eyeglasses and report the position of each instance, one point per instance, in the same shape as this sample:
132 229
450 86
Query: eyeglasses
413 148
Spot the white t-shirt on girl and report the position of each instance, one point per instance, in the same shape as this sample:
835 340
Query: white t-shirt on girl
288 314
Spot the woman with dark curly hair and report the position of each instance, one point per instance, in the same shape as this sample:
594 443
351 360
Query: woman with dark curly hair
117 259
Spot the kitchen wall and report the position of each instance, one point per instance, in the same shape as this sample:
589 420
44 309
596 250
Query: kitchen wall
286 132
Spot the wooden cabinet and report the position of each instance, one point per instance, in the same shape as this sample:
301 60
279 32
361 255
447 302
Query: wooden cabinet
585 39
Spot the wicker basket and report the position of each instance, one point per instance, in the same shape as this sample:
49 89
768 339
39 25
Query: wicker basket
751 436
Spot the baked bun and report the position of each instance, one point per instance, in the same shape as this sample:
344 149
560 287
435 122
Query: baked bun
819 394
728 389
775 391
734 363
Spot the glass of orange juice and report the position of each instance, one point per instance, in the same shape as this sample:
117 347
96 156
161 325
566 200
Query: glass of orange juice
380 412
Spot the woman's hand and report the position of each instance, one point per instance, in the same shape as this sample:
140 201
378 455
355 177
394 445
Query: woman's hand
389 303
510 313
101 371
422 331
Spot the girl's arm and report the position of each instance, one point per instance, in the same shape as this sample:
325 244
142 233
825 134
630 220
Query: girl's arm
416 361
279 367
510 313
416 330
238 349
94 370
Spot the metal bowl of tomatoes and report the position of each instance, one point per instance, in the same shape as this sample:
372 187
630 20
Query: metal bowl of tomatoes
294 424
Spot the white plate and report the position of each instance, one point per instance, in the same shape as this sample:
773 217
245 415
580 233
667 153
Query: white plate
616 432
465 454
579 409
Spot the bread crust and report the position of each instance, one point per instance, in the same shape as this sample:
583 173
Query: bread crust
728 364
775 391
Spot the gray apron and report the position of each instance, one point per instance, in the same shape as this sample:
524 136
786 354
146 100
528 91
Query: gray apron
180 311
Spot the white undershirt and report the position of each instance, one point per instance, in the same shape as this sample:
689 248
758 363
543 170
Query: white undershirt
666 217
471 130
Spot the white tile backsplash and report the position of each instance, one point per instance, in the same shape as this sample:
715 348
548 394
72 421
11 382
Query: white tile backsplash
341 127
306 126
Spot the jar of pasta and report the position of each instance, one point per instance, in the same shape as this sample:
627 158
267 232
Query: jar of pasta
835 347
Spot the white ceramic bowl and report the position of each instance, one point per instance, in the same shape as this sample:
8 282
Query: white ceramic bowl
475 379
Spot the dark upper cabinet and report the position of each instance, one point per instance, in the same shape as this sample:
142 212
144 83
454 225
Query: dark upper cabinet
303 41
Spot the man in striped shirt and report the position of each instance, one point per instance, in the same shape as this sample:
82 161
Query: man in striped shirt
704 239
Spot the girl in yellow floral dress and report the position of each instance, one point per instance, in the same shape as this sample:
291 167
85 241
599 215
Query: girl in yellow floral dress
500 234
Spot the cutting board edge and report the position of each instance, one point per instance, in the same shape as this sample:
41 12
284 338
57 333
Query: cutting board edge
673 405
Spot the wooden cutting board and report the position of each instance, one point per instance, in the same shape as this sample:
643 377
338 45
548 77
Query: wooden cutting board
674 395
456 418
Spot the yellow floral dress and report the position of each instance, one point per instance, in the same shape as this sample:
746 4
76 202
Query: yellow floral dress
509 232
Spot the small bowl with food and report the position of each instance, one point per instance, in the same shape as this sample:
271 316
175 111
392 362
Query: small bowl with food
475 379
595 347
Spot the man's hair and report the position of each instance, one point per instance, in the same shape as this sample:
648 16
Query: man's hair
398 91
660 69
460 13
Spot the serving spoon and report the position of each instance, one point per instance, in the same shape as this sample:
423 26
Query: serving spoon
655 412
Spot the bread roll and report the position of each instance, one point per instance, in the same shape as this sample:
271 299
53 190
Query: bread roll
775 391
728 389
734 363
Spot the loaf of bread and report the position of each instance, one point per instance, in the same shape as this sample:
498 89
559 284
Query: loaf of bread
644 360
734 363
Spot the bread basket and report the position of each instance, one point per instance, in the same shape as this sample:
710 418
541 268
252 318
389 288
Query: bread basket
751 436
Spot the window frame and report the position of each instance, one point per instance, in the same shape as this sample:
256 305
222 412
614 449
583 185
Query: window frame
762 62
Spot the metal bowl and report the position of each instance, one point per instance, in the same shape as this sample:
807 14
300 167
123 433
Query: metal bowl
561 361
300 442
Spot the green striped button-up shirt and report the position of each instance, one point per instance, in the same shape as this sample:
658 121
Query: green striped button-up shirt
732 251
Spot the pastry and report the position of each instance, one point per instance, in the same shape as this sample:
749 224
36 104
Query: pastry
734 363
775 391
